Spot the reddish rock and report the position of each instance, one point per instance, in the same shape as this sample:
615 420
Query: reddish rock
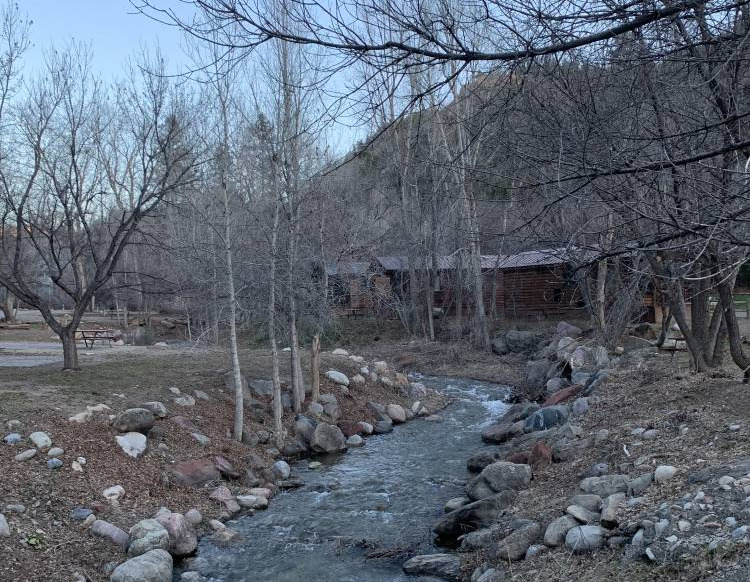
563 395
350 428
182 537
519 459
195 473
226 468
540 457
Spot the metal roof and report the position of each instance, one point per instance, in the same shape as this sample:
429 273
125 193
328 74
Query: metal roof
352 268
540 258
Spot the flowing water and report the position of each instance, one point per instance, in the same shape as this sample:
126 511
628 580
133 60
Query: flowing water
386 495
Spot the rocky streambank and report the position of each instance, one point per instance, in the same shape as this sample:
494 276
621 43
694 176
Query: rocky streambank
622 502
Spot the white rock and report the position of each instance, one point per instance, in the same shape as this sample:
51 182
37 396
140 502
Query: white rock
252 501
664 473
380 367
355 441
76 466
174 390
357 359
132 443
113 493
359 380
81 417
340 352
41 440
337 377
185 400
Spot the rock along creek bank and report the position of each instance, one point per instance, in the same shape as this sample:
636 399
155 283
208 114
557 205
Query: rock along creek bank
380 501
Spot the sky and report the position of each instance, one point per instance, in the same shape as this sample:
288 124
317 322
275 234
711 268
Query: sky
112 28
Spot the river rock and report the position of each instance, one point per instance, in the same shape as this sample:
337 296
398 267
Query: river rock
514 547
133 444
12 439
502 431
153 566
337 377
582 514
106 530
54 463
156 408
304 427
554 535
195 473
383 427
396 413
358 380
604 486
147 535
588 501
327 438
664 473
546 418
499 477
611 509
585 538
252 501
332 410
41 440
355 441
472 516
446 566
536 374
55 452
262 388
182 537
349 427
380 367
25 455
281 469
134 420
455 503
194 517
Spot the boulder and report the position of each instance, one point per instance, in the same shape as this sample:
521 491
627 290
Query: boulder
536 374
396 413
355 441
350 428
194 516
332 410
472 516
555 384
585 538
501 432
521 342
611 508
153 566
513 547
226 468
252 501
327 438
546 418
262 388
563 394
147 535
365 428
383 427
337 377
565 329
182 537
554 535
106 530
114 493
304 427
664 473
194 473
380 367
132 444
582 514
281 469
40 439
446 566
455 503
134 420
156 408
358 380
588 501
499 477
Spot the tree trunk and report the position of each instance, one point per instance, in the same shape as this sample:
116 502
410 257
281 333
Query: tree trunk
278 407
726 296
315 367
70 349
8 306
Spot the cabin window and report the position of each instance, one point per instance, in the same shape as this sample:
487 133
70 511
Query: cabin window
557 295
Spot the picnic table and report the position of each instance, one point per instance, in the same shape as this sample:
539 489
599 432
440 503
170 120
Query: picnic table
89 336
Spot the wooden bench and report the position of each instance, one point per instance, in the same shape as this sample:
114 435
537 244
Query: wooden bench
89 336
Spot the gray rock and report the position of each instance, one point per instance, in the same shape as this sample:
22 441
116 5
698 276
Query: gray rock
554 535
328 438
664 473
555 384
54 463
304 427
582 514
565 329
585 538
455 503
383 427
80 513
337 377
55 452
535 550
472 516
153 566
15 508
546 418
500 346
25 455
156 408
133 444
147 535
185 400
281 469
106 530
355 441
604 486
134 420
580 407
611 510
481 538
201 395
194 517
447 566
639 484
182 537
498 477
536 374
599 470
41 440
332 410
396 413
12 439
491 575
502 431
514 547
4 527
252 501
